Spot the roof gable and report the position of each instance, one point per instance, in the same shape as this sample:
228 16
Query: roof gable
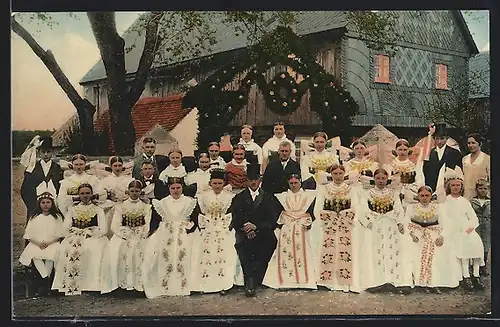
308 22
148 114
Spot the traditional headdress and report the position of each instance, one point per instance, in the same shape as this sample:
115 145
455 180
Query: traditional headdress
217 173
46 188
452 174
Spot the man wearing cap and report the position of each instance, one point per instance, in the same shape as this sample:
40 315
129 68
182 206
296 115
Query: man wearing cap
41 173
254 213
441 155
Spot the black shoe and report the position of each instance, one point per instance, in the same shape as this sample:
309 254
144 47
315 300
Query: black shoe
467 284
478 283
435 290
483 271
250 287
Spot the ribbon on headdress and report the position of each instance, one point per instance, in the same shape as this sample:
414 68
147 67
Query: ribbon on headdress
456 173
28 158
92 168
46 187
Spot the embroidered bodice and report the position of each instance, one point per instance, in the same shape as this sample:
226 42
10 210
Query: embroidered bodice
381 201
425 215
361 167
134 213
337 197
406 169
74 181
84 216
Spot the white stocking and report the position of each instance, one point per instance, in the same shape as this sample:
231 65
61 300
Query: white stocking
465 268
475 267
40 266
49 264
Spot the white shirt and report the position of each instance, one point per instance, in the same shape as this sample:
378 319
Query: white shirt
152 158
172 171
440 152
45 166
284 163
254 194
254 147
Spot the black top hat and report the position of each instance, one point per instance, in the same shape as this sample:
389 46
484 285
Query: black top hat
218 173
440 130
253 172
46 143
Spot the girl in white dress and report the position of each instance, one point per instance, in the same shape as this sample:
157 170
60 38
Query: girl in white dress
434 262
410 175
176 168
466 241
79 261
338 251
292 264
115 186
214 256
167 252
251 147
386 245
313 165
360 167
68 191
124 254
43 232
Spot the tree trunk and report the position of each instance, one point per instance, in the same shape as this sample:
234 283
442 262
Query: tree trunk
84 108
121 97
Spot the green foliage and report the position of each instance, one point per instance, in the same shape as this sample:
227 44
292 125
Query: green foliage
378 29
21 139
217 106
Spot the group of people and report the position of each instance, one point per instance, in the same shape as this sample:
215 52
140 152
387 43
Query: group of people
176 225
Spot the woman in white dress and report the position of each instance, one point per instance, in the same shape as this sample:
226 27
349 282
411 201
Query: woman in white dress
360 166
253 150
434 262
292 264
124 254
386 251
68 191
200 178
214 258
271 146
313 165
79 260
338 250
115 186
167 252
43 232
410 175
466 241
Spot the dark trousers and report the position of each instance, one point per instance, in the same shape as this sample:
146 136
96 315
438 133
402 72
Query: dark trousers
254 255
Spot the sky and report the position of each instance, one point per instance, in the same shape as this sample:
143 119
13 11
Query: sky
38 102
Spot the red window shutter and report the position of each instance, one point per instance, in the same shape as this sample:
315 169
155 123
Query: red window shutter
386 69
438 76
445 76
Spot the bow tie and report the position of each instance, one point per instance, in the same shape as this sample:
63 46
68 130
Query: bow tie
284 160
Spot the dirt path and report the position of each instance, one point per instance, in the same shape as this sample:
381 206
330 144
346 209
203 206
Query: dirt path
267 302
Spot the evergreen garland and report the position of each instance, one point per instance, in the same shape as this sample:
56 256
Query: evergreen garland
217 106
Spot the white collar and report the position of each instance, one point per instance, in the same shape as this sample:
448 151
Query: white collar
243 163
246 143
256 192
283 138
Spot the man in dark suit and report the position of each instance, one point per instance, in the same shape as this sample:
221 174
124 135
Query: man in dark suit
255 213
275 179
441 155
40 173
159 162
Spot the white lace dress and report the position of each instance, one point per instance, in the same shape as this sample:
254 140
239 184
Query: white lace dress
124 255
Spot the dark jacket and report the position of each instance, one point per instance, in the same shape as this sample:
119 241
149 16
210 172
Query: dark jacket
160 163
263 213
275 178
451 158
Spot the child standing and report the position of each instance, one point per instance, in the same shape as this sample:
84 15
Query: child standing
44 231
481 205
123 256
467 242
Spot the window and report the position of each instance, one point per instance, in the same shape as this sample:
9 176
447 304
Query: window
97 96
442 77
156 88
382 68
